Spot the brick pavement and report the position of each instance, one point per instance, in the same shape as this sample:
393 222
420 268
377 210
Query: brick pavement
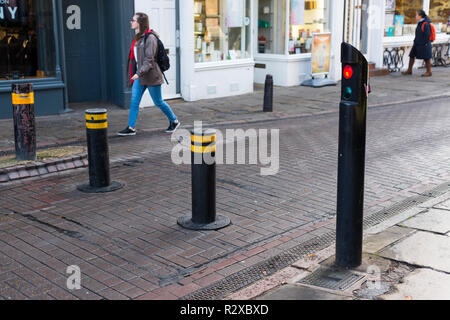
288 102
128 245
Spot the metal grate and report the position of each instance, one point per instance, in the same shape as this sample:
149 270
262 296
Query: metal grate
400 207
268 267
263 269
332 279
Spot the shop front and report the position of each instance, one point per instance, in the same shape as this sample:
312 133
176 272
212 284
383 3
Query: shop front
72 51
400 25
29 53
284 40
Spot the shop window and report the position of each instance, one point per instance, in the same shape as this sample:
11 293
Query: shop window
271 26
439 14
27 47
306 17
401 17
221 30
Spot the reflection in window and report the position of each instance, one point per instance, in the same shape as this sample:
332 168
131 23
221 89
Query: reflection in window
306 17
27 47
271 26
439 14
221 30
408 8
401 17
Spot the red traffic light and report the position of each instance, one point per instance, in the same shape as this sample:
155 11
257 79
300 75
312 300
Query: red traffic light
348 72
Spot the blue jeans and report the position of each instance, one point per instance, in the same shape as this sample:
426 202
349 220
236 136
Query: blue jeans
155 93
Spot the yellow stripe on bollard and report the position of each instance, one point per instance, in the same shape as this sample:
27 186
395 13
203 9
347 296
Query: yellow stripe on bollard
96 117
23 98
203 139
207 149
96 126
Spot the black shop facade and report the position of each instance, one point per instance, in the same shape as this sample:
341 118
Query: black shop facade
72 51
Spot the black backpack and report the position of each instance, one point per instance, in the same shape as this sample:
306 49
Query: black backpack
161 57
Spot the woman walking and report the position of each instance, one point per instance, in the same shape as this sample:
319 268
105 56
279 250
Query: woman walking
422 44
145 74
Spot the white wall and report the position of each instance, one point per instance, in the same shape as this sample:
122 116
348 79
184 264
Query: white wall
187 47
216 81
376 31
337 36
286 70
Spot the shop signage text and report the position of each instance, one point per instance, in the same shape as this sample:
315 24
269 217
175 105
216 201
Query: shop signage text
6 9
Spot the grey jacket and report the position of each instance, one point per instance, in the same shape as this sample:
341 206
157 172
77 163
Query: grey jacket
148 71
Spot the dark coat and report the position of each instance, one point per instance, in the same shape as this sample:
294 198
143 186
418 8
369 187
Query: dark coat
149 72
422 48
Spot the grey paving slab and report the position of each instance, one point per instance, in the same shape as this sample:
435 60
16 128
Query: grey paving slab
374 243
422 284
422 249
394 220
445 205
437 202
434 220
298 292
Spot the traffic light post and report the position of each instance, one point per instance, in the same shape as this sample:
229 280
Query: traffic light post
351 164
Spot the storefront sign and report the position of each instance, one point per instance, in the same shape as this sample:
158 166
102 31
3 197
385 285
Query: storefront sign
235 13
321 53
8 10
297 12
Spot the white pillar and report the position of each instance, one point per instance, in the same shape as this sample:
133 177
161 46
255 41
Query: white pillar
337 37
187 48
426 6
376 31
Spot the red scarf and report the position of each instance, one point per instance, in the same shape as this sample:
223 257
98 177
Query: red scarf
133 57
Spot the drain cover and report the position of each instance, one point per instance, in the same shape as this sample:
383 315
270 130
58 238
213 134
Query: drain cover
332 279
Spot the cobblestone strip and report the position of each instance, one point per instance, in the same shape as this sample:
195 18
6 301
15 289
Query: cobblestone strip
37 169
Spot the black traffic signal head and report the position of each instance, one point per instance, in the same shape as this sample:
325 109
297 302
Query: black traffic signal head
354 74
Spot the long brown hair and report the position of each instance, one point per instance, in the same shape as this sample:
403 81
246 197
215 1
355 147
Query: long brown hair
144 24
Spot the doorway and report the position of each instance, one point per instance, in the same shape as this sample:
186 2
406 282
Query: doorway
164 19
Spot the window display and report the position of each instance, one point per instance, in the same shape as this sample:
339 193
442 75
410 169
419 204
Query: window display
27 47
439 14
306 18
221 30
271 26
400 17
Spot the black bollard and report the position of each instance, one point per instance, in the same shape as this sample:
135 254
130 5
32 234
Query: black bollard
204 217
351 165
98 154
268 94
24 121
